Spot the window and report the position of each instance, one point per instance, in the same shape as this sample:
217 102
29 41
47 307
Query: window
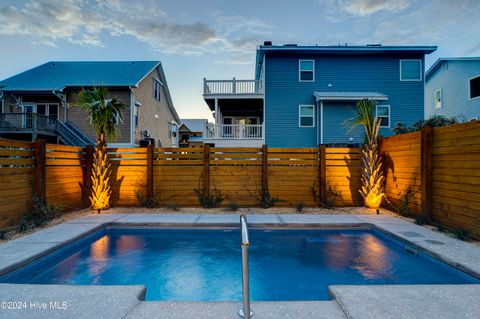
306 70
136 115
157 89
306 114
475 87
410 70
383 113
438 98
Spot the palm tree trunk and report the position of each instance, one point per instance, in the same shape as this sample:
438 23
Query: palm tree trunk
100 196
372 176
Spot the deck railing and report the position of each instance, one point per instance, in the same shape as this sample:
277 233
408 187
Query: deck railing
233 131
232 86
27 122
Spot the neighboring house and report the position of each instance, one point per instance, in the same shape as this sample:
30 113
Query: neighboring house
40 102
302 95
452 88
191 132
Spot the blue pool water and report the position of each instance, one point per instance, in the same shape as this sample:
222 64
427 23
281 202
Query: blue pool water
205 264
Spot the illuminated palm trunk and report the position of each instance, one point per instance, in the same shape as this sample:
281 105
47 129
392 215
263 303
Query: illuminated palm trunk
100 196
372 176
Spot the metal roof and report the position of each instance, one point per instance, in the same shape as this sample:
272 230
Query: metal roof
56 75
194 125
348 96
439 62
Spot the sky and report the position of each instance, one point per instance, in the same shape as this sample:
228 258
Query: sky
217 39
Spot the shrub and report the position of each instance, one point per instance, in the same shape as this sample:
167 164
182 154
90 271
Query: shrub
210 201
434 121
300 206
148 202
331 196
267 200
403 206
174 207
421 220
40 214
232 207
461 233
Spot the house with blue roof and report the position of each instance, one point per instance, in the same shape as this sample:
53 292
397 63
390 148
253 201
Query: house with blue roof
452 88
40 102
302 95
191 132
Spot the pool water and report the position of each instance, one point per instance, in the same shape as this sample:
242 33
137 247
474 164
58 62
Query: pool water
205 264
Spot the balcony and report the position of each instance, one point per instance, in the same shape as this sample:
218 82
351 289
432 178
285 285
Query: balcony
234 135
27 123
232 87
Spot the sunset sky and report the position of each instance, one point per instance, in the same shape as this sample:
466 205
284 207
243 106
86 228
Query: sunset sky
216 39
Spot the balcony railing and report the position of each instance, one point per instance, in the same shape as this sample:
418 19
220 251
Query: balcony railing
27 122
232 87
236 131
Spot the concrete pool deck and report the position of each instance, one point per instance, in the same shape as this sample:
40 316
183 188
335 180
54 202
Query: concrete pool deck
402 301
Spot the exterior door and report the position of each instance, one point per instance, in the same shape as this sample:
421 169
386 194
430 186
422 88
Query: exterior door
27 118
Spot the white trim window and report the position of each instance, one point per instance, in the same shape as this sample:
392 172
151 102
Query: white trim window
306 116
411 70
383 113
157 89
438 98
474 87
306 70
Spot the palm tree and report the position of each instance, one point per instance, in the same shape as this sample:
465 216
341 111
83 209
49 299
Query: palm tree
372 189
103 113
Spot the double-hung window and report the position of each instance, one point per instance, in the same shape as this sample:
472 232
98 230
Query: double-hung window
157 88
383 113
306 70
474 85
306 116
411 70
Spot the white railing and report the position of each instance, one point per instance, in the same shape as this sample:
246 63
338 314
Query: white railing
235 131
232 86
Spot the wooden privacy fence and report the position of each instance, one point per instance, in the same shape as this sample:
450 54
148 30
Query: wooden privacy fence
437 172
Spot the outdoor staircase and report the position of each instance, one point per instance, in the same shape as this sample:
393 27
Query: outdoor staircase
71 135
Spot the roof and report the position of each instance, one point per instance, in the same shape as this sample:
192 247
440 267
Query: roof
56 75
439 62
339 49
194 125
348 96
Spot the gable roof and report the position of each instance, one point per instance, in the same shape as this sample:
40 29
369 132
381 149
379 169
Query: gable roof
439 62
337 49
56 75
194 125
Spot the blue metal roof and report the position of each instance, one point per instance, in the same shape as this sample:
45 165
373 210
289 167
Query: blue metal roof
437 64
57 75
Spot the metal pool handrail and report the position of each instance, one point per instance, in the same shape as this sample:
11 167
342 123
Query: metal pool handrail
245 311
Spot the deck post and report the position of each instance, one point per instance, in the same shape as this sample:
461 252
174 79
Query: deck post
426 170
206 170
40 170
87 174
264 168
149 171
322 173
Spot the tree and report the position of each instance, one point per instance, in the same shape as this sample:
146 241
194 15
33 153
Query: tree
372 189
103 113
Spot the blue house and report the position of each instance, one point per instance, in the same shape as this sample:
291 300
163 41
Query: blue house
302 95
452 88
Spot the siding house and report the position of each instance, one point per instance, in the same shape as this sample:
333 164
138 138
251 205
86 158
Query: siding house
302 95
40 102
191 132
452 88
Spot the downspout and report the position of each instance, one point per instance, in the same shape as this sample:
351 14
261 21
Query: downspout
321 122
132 115
317 112
63 101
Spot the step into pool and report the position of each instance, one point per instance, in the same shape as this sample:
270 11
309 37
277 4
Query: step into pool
194 264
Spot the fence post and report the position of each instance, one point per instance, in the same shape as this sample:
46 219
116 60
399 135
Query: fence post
264 168
150 171
426 170
322 173
206 170
40 170
87 174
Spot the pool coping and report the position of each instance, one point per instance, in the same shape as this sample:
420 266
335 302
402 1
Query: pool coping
461 255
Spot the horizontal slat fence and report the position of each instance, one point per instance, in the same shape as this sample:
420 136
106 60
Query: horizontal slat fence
16 180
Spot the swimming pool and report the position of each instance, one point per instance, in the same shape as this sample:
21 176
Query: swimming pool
205 264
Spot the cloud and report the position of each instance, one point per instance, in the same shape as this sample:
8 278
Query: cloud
83 21
362 7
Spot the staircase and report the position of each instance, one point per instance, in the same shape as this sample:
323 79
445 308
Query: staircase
71 135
